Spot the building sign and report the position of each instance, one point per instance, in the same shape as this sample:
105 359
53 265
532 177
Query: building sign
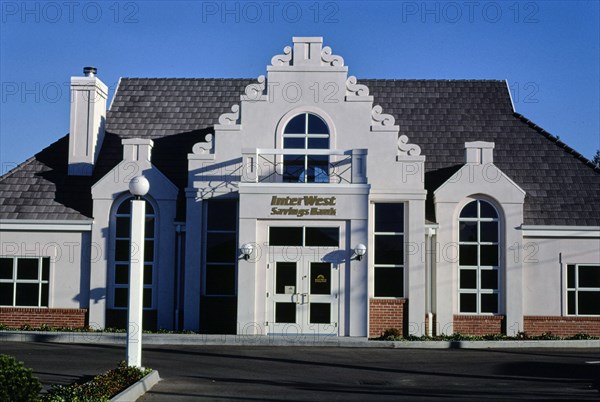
308 205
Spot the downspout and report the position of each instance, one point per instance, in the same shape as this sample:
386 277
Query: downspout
179 230
429 280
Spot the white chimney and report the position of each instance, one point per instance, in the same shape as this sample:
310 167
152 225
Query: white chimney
479 152
88 118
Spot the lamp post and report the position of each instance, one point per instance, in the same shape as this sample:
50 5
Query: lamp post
138 187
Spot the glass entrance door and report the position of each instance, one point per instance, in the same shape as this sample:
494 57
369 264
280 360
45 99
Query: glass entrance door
303 297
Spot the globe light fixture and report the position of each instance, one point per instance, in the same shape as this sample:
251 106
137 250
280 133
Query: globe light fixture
247 249
139 186
359 250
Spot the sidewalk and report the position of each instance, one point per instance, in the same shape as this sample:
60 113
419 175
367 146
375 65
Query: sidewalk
106 338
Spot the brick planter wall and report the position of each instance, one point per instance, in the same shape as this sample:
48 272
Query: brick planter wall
16 317
385 314
561 326
478 324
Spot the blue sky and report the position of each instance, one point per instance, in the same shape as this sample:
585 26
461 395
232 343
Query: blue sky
548 51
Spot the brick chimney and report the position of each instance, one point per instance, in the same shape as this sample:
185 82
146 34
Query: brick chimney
88 117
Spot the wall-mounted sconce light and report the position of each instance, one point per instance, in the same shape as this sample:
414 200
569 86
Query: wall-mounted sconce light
247 250
359 250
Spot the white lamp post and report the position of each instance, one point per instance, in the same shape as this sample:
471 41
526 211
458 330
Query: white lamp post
139 187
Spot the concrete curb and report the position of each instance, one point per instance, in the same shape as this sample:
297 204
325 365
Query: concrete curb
278 340
135 391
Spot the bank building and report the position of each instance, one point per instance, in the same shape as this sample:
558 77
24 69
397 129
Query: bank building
305 201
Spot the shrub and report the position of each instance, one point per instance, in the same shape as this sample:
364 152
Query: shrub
391 334
101 388
17 382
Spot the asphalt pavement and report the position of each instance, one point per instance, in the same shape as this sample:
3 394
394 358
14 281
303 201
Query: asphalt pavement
269 373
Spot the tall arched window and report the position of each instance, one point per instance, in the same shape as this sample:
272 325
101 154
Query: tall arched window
479 274
306 131
120 266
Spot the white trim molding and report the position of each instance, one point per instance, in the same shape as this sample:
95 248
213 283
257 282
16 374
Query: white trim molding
560 231
34 225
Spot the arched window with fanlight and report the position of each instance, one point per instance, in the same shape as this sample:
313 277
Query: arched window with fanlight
120 266
479 259
306 131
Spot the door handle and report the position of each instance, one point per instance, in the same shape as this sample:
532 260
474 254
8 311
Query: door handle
305 298
297 295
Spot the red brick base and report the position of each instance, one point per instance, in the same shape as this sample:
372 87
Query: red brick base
561 326
16 317
385 314
478 324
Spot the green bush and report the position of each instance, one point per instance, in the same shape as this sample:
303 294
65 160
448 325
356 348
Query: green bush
100 389
17 382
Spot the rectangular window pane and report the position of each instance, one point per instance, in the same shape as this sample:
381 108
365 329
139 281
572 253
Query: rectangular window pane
147 298
589 277
6 268
588 303
489 232
320 278
27 294
318 143
285 236
318 169
468 279
468 255
320 313
571 276
389 217
489 255
293 168
220 280
121 297
45 297
148 275
27 268
389 282
221 247
285 312
122 250
322 237
122 274
45 269
289 143
285 276
389 249
123 228
468 303
222 215
489 303
149 250
571 302
149 228
489 279
468 231
6 294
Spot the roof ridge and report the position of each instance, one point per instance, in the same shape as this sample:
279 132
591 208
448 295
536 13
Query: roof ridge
558 142
17 168
29 160
189 78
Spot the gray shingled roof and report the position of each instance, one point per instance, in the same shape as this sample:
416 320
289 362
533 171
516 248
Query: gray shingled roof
562 187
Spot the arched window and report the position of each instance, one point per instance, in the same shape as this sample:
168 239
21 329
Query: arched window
120 266
306 131
479 259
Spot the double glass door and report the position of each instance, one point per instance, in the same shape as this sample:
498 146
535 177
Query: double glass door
303 297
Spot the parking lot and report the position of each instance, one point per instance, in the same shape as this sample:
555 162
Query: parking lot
319 373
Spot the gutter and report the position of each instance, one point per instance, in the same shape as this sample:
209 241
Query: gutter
35 225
